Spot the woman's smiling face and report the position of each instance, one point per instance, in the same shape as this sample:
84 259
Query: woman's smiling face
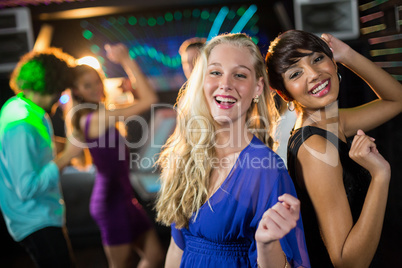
230 83
312 81
89 87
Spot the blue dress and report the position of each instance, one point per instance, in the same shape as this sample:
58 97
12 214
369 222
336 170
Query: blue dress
223 233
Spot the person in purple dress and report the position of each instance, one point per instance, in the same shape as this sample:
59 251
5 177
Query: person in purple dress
123 224
227 196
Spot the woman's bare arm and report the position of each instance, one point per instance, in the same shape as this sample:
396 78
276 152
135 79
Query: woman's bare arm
388 90
348 245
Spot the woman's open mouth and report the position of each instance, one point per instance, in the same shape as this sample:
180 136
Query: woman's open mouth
321 89
225 102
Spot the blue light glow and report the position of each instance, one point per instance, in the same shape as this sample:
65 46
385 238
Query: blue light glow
64 99
244 19
216 26
153 39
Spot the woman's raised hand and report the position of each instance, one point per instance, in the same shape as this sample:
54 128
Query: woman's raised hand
338 47
117 53
279 219
364 152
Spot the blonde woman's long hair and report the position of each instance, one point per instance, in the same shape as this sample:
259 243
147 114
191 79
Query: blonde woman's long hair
185 159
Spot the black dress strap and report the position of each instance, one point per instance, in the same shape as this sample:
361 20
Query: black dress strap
299 136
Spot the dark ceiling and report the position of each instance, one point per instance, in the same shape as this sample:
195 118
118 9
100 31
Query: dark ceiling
56 9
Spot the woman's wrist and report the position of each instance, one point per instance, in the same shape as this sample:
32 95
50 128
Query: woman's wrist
270 255
347 56
285 262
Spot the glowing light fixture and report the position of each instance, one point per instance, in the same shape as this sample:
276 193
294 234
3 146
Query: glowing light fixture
91 61
64 98
87 34
216 26
246 16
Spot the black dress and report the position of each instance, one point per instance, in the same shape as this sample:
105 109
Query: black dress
356 180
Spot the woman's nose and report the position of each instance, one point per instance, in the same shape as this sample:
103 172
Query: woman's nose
313 73
225 82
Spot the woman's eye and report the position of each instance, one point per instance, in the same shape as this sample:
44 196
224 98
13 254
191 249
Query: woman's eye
319 58
215 73
241 76
294 75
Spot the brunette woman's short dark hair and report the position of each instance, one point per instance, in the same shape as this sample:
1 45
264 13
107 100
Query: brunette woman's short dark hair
284 51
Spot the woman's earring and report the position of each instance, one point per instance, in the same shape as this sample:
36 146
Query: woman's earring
256 99
291 106
340 77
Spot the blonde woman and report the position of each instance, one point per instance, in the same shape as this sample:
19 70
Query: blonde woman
227 195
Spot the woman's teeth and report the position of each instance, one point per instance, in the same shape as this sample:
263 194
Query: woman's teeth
319 88
222 99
